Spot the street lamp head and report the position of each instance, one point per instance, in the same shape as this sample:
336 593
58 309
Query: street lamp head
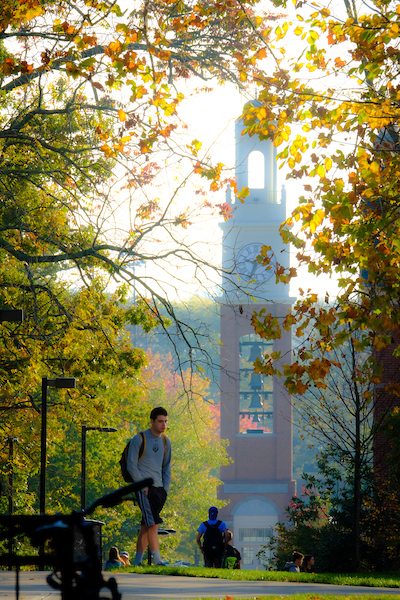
103 429
106 429
11 315
62 382
166 531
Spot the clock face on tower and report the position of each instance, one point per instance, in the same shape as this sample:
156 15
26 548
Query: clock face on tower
246 264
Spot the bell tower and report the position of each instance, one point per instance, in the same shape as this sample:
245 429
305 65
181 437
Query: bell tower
255 409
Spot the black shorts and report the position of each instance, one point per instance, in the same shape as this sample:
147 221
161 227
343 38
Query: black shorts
151 504
213 560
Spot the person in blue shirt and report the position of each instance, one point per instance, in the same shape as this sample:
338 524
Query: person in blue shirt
215 539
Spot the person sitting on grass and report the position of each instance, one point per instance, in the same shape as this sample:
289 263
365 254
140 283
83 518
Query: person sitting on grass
114 560
308 564
295 564
125 558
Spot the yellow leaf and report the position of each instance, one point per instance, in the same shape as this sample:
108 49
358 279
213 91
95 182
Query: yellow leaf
328 163
121 115
262 114
368 193
374 167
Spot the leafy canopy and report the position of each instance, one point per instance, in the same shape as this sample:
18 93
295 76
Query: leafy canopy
332 111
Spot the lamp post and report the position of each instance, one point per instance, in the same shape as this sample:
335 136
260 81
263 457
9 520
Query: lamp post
12 316
61 383
83 458
11 441
160 532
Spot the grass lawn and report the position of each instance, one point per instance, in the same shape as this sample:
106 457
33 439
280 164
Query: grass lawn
388 580
313 597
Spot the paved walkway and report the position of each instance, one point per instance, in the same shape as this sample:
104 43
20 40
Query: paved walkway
136 586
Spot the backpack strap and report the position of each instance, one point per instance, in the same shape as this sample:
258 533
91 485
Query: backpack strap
208 526
142 448
164 439
142 445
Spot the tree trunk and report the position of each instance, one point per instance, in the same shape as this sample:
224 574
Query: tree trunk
357 475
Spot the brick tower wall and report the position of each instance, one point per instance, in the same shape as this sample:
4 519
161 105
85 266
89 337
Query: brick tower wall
384 402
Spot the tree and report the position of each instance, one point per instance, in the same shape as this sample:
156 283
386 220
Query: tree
333 405
349 222
198 453
94 354
75 160
90 125
340 418
319 523
199 317
331 107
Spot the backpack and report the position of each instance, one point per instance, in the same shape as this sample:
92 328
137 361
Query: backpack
124 456
231 558
213 542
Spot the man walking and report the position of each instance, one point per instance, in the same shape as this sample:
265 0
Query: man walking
214 541
150 456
